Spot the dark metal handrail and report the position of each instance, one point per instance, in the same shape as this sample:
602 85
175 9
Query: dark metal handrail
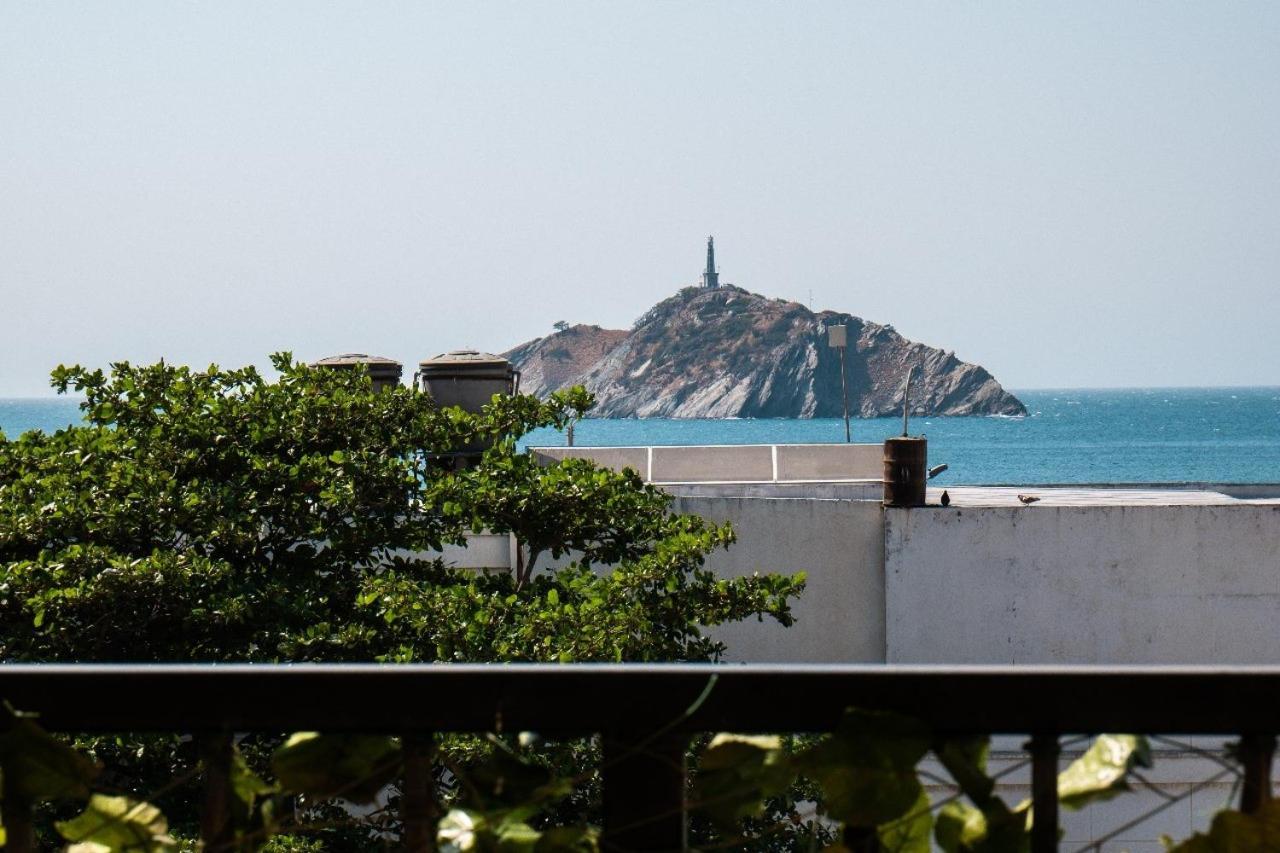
586 698
659 706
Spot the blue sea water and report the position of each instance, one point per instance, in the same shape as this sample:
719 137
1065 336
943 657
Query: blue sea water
1144 435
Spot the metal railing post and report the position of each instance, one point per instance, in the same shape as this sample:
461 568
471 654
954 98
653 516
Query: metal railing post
216 831
1256 754
20 832
861 839
1044 793
419 810
644 790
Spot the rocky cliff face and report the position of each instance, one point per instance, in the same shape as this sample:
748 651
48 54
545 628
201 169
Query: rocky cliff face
726 353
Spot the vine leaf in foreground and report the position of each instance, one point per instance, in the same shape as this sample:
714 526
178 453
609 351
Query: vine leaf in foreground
736 773
987 825
909 833
1102 772
353 767
116 825
37 765
462 831
253 806
867 767
1233 832
994 828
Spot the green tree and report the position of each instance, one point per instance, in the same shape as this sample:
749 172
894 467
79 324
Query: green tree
214 515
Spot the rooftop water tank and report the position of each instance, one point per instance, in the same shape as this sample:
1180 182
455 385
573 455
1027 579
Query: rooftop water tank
385 372
467 378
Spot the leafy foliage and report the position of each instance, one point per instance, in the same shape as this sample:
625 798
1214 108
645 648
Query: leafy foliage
867 767
116 825
737 773
216 515
353 767
508 793
38 766
867 778
1100 773
1232 832
213 515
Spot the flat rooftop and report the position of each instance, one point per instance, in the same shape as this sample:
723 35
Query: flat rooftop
989 496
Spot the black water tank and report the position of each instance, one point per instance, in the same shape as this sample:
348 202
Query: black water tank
384 372
467 378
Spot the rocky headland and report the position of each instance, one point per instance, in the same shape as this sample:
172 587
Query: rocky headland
725 352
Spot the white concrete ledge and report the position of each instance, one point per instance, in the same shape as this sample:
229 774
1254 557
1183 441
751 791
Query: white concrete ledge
1051 496
735 463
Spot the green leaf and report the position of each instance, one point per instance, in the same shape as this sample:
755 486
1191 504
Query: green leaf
1101 772
461 831
252 808
516 838
37 765
909 833
867 767
117 825
1233 832
245 784
965 758
569 839
963 828
504 782
735 775
353 767
959 827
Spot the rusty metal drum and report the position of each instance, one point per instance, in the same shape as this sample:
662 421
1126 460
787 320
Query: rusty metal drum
906 470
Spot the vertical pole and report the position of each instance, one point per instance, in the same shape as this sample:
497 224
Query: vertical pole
644 789
906 401
418 808
861 839
1256 753
844 388
216 831
19 827
1044 793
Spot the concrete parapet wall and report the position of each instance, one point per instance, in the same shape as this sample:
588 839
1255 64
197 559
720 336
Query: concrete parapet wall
1194 584
830 461
727 463
617 458
735 463
857 490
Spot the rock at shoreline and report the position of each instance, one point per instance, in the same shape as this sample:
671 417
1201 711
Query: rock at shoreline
725 352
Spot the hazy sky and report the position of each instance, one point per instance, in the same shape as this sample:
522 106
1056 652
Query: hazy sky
1070 194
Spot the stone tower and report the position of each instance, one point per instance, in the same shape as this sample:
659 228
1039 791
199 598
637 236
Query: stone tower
711 278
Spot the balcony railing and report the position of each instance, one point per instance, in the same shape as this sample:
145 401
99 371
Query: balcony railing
647 713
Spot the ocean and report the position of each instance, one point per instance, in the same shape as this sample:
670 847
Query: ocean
1140 435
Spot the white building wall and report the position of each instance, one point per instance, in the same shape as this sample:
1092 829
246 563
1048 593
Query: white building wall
839 543
1083 584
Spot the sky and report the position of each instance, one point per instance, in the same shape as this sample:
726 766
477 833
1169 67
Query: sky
1070 194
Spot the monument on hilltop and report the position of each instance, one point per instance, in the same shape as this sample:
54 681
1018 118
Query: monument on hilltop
711 278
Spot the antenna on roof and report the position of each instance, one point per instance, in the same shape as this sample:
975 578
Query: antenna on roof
906 400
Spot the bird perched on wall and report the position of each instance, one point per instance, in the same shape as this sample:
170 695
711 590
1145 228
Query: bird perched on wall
1028 499
945 500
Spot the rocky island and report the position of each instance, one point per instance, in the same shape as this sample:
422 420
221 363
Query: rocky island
723 352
